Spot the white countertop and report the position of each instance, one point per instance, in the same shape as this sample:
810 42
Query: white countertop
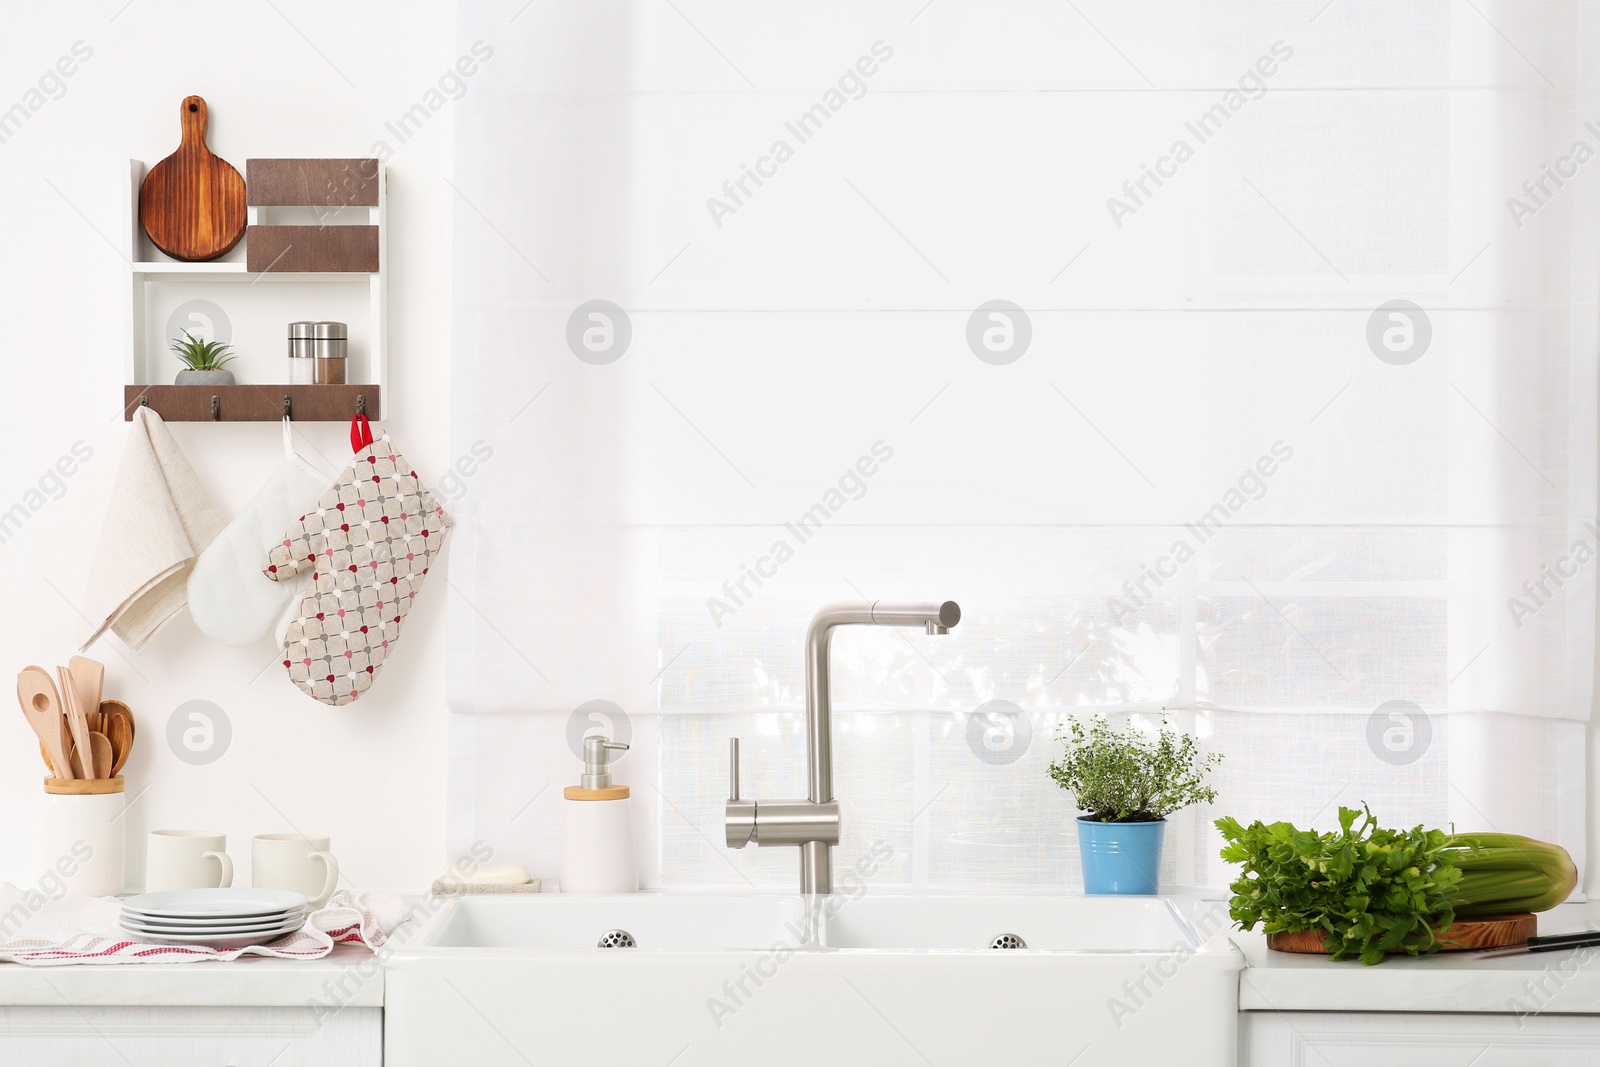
1444 982
1272 981
348 976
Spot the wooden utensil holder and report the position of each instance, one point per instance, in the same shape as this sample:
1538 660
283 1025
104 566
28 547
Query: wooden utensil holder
81 787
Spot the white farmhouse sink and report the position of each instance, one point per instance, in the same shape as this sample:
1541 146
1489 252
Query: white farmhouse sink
1122 981
657 922
1074 924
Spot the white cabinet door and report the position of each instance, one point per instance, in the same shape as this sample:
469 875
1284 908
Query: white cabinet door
1356 1039
190 1037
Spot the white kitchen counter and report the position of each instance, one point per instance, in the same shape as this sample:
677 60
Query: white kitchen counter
346 977
1547 982
1272 981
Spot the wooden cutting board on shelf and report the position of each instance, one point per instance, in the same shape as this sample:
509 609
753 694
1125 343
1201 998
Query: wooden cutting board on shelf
1492 931
192 203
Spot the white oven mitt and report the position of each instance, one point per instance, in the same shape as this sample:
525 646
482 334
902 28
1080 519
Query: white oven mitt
229 598
370 539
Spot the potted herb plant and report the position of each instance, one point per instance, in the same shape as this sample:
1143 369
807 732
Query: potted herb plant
203 361
1128 782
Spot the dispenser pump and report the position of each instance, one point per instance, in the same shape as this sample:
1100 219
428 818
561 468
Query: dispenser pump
597 849
596 760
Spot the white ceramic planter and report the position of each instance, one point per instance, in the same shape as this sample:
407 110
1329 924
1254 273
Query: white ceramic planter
204 377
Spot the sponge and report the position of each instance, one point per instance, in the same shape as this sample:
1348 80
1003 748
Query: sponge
499 878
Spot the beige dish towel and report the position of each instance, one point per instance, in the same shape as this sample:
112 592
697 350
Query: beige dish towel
160 519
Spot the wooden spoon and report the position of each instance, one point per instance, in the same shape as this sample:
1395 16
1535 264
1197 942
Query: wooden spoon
77 723
40 703
119 728
100 754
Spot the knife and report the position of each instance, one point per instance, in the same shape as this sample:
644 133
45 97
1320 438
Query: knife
1553 943
1557 939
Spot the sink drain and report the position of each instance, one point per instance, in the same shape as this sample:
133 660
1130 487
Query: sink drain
1007 941
617 939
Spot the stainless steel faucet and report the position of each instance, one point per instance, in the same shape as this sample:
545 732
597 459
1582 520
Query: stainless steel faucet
813 824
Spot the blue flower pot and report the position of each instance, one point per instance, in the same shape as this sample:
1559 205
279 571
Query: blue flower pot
1120 857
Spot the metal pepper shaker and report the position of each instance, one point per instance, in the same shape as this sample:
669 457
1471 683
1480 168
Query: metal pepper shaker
330 348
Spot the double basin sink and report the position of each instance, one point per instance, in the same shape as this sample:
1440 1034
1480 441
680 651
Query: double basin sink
678 979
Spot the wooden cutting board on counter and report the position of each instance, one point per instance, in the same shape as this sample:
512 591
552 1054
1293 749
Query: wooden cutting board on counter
1492 931
192 203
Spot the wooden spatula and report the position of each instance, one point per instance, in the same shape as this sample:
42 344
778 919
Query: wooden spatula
88 678
192 203
82 755
42 705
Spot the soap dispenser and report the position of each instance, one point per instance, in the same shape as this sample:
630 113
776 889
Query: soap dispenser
597 827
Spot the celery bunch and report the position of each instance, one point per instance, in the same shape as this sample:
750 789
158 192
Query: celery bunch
1502 874
1367 888
1370 889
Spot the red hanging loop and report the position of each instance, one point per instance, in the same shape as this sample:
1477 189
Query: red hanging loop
360 432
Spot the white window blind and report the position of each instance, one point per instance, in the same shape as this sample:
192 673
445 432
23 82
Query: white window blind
1284 426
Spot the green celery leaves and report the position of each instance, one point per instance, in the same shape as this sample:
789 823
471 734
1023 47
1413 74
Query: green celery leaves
1367 888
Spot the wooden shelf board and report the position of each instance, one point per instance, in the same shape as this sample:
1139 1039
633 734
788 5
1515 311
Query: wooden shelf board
312 182
253 403
323 249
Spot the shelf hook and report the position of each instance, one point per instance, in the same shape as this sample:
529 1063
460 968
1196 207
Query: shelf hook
286 412
361 403
144 400
216 408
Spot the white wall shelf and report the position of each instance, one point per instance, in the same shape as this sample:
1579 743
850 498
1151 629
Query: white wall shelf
257 315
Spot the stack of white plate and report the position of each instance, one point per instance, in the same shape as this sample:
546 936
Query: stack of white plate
215 918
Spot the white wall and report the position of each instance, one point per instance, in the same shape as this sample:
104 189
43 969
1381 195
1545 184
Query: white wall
317 80
372 775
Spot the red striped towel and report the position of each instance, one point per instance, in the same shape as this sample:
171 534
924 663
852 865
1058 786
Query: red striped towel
45 932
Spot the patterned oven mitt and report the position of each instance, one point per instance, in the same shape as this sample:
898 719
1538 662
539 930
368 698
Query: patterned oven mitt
371 539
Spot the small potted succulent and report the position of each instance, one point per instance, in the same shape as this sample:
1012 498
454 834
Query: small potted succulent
1128 781
203 361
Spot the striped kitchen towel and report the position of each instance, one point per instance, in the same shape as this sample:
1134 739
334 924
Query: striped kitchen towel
48 932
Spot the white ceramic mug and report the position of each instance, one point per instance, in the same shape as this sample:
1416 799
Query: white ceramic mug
187 859
300 862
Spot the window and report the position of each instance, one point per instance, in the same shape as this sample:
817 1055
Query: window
1233 362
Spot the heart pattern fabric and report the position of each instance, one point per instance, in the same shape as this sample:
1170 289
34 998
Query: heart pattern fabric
370 541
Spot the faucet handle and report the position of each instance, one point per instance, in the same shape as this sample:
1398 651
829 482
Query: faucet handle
739 819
